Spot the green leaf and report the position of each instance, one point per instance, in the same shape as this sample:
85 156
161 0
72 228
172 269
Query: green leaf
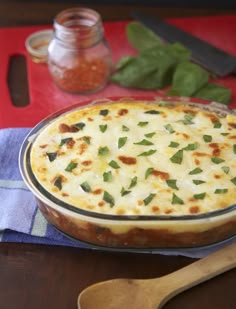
176 200
104 112
123 61
103 127
177 158
150 135
107 176
149 198
200 196
124 128
102 151
144 142
122 141
79 125
234 148
173 144
188 119
107 197
172 183
225 169
58 182
217 124
51 156
85 186
71 166
142 123
86 139
147 153
188 78
221 191
195 171
133 182
152 112
148 172
65 141
217 160
169 128
233 180
124 192
214 92
207 138
191 147
141 37
114 164
198 182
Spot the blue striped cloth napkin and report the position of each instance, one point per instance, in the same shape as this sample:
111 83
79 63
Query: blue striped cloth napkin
20 219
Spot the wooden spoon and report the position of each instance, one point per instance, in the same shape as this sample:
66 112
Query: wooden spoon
154 293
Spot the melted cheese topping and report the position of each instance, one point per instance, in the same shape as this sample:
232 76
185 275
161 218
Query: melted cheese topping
139 159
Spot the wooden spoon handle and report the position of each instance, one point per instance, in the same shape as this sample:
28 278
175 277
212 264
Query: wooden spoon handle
200 271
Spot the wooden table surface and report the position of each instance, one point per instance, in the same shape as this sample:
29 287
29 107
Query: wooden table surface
37 276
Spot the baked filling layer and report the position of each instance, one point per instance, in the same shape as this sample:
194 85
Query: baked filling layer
139 158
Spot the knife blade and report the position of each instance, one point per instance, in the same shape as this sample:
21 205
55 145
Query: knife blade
210 57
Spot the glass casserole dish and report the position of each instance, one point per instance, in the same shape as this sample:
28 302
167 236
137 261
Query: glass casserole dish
160 172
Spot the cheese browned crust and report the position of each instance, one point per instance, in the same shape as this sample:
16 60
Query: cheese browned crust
138 158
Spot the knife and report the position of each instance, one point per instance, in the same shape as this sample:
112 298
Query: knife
210 57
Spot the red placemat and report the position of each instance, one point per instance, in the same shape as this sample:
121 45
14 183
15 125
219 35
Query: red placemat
46 98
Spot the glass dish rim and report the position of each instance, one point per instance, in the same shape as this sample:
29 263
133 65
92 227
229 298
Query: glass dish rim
38 190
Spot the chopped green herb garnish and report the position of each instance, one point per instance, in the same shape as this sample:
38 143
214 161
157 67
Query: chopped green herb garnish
149 198
71 166
79 125
51 156
169 128
233 180
133 182
114 164
234 148
207 138
177 157
176 200
188 119
224 134
107 176
225 169
217 160
147 153
172 183
65 141
191 147
148 172
58 182
217 124
122 141
150 135
198 182
104 112
103 127
195 171
152 112
200 196
144 142
86 187
173 144
86 139
103 151
107 197
124 192
221 191
125 129
142 123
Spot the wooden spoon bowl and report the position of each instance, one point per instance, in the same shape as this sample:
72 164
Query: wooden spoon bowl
154 293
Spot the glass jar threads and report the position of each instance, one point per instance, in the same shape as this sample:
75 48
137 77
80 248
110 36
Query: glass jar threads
79 58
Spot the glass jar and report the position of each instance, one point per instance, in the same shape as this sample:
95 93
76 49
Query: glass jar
79 58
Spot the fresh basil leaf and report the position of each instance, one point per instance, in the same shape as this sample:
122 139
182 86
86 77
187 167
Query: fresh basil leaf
221 191
51 156
191 147
124 192
103 151
147 153
133 182
177 158
207 138
172 183
214 92
176 200
114 164
107 176
195 171
123 61
200 196
122 141
144 142
124 128
85 187
188 119
198 182
169 128
103 127
71 166
142 123
107 197
150 135
217 160
173 144
148 172
149 198
86 139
